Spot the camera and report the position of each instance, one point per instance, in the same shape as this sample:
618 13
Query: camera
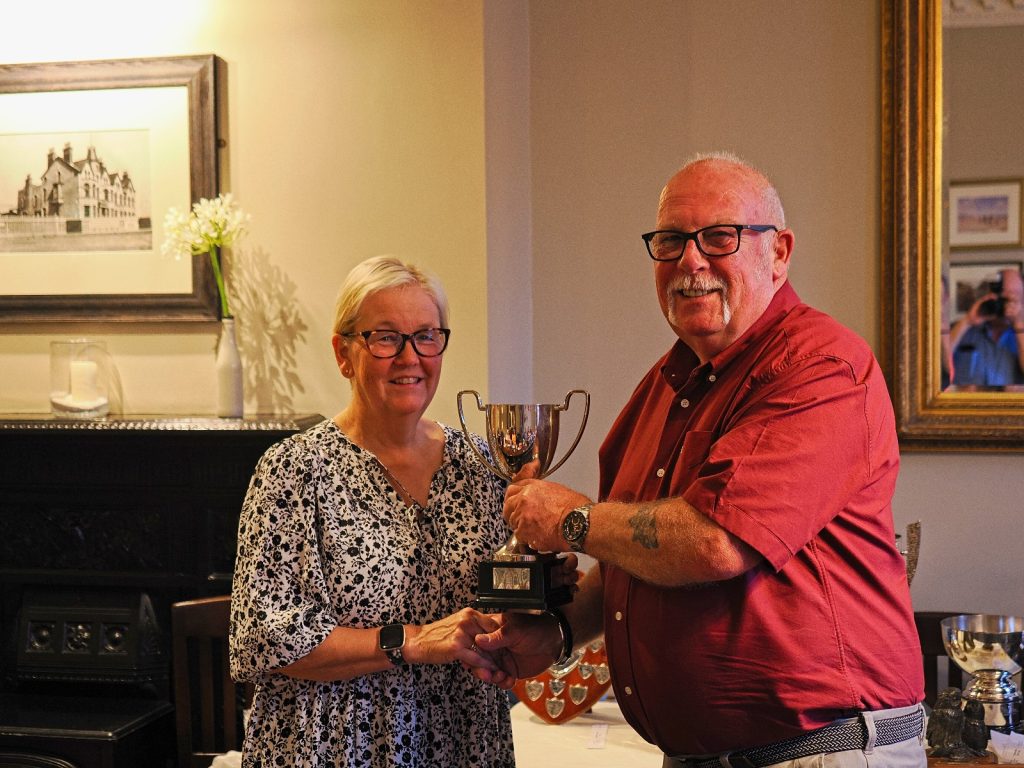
994 307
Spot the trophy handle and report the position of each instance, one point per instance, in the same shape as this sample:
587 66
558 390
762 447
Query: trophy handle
583 423
465 430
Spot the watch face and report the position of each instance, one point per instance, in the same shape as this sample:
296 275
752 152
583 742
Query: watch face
574 525
392 636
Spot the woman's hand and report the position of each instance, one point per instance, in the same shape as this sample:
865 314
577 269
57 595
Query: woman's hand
524 645
451 639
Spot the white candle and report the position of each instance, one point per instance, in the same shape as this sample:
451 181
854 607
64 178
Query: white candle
83 381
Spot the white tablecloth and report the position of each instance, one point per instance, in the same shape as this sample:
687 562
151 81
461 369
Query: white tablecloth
601 738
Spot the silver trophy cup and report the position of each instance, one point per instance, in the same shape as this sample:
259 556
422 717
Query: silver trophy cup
516 577
991 649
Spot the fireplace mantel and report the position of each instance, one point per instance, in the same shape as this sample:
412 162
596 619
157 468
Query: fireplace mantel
48 423
138 500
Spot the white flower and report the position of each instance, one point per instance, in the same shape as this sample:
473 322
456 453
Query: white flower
218 223
211 225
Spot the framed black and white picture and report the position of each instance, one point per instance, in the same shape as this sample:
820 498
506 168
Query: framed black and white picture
92 156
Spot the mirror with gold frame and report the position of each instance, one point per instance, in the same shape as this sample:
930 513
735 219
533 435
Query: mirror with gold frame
913 195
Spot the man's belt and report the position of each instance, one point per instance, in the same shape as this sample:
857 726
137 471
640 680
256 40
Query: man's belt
839 736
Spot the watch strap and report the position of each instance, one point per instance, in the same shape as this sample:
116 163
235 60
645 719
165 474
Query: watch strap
395 657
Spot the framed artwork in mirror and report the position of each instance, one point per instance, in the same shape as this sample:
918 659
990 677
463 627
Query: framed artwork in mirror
985 214
92 155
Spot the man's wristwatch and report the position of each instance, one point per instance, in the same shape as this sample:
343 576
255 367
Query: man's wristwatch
391 638
575 527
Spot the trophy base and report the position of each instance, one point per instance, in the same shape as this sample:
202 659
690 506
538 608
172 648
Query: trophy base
520 583
1002 713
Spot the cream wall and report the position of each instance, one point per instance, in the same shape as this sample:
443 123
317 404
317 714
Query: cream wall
354 128
621 93
588 107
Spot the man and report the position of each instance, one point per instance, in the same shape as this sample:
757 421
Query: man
988 341
750 591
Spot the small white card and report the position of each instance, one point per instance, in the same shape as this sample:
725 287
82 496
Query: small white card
598 736
1008 748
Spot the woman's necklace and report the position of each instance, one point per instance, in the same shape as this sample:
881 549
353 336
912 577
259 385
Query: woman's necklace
403 492
408 497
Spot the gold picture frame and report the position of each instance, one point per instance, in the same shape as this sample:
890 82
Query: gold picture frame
928 417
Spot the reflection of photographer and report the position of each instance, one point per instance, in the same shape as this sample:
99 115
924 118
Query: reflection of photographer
995 307
988 341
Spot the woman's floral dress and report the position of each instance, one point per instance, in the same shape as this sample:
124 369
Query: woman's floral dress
324 540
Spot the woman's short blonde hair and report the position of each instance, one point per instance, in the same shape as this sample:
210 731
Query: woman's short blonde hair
376 274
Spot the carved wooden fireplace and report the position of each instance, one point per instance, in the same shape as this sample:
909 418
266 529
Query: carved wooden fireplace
103 525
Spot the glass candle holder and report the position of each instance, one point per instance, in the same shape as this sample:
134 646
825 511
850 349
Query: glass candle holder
79 379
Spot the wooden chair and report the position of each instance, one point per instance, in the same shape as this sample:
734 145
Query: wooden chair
208 703
937 665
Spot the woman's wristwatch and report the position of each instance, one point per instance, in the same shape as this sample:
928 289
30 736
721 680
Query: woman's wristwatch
390 639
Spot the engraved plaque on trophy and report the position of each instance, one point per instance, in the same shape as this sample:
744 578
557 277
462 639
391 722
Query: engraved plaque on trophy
517 578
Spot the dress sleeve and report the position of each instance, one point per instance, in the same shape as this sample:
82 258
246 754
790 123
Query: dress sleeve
279 612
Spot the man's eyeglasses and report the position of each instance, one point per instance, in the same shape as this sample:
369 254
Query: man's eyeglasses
430 342
713 241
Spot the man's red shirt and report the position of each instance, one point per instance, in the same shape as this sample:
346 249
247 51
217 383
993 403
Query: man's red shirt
787 440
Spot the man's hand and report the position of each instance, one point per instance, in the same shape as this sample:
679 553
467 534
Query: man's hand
977 315
567 573
523 646
1014 312
535 508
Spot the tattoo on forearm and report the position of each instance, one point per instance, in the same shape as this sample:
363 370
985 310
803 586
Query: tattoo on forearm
645 529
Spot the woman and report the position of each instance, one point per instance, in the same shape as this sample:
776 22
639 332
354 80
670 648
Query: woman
374 519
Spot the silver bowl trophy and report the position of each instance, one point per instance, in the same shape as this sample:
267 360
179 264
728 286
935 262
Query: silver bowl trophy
991 649
518 578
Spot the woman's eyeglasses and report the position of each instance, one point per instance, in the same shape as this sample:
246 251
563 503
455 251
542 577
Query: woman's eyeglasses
430 342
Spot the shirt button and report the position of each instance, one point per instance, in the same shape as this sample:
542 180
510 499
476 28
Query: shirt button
618 615
628 690
712 377
660 473
685 403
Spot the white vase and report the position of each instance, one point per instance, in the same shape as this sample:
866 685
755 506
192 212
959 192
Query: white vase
229 372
